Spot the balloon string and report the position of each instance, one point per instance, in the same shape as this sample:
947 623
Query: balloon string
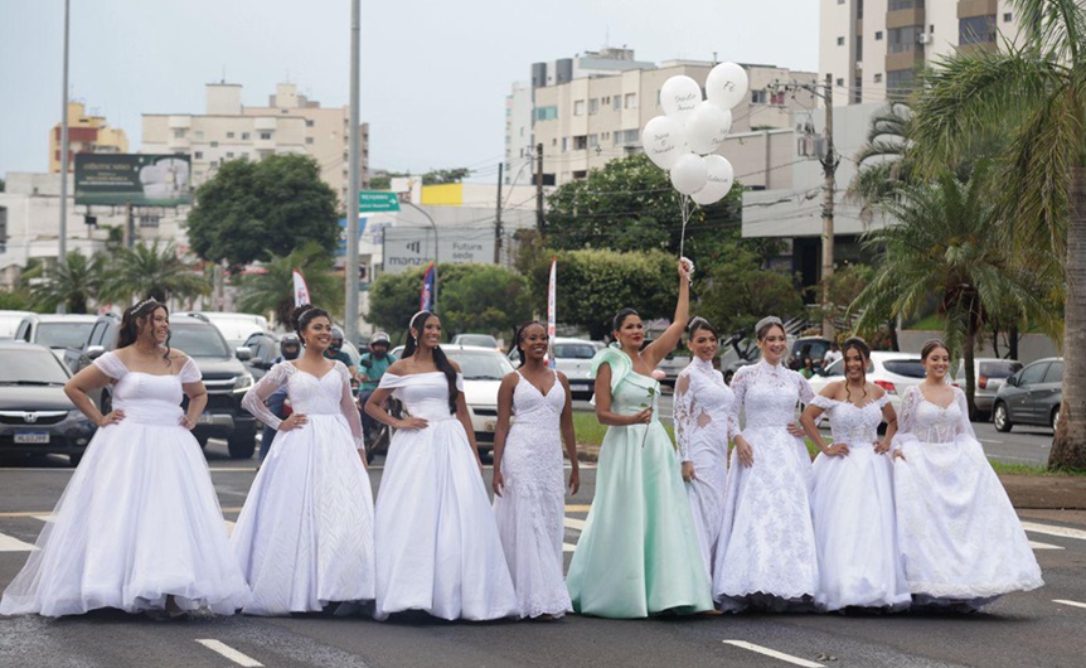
684 208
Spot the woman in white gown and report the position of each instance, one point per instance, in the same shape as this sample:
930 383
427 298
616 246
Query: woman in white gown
437 543
529 494
852 493
704 426
138 527
962 543
766 556
304 538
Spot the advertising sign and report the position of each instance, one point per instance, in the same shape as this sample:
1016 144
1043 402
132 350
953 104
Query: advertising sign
407 248
117 179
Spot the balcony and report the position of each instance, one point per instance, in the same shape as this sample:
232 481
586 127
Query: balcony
265 124
179 122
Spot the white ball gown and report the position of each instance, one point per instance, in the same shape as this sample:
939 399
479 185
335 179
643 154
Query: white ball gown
852 501
703 429
766 555
437 543
531 511
139 520
962 542
304 538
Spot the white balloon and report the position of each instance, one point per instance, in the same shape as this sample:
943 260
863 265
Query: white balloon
664 140
727 85
689 174
708 127
720 176
680 96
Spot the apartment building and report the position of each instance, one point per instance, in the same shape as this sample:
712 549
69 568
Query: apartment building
589 111
873 49
228 130
87 133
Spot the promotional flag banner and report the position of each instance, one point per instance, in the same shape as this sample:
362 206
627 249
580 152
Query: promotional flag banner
301 290
426 300
552 318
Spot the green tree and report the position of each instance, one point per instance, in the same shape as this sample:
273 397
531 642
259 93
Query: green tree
630 205
75 283
1035 93
737 293
15 300
437 177
945 246
272 289
254 211
593 285
154 271
884 162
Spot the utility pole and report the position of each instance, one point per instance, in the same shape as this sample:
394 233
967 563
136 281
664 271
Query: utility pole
350 267
498 219
62 244
539 187
830 161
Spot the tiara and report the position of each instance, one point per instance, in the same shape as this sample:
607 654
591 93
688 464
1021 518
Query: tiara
695 320
767 321
145 302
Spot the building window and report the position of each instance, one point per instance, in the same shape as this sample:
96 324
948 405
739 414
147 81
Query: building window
1008 17
899 82
565 144
631 101
214 144
580 174
606 100
179 133
758 97
618 102
977 30
878 35
904 40
199 155
580 143
309 122
631 136
149 220
578 108
857 90
229 135
199 134
593 141
896 5
244 136
229 154
594 106
263 135
840 41
878 78
3 229
309 140
546 113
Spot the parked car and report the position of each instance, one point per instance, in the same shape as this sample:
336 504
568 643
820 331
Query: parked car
483 370
9 322
235 327
671 365
36 417
813 347
224 376
476 340
1031 396
990 374
65 334
893 372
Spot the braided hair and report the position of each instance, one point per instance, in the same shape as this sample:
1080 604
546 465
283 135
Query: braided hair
418 323
131 324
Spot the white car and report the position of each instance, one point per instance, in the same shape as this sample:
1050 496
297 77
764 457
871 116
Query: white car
483 370
893 372
236 328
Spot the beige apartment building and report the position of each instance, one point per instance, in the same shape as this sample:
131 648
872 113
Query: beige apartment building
585 121
874 48
87 133
228 130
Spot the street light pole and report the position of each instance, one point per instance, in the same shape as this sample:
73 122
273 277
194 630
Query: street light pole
350 269
437 246
62 246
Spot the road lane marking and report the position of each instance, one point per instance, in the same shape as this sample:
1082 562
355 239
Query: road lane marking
781 656
578 509
1075 604
574 523
12 544
1050 530
1043 546
229 527
988 440
568 547
230 653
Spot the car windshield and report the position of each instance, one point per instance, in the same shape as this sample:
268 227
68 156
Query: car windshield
480 340
476 366
198 340
31 366
574 351
999 369
911 368
63 334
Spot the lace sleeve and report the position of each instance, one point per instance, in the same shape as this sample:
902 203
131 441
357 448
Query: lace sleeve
739 387
349 407
190 373
110 365
906 419
254 399
965 427
806 394
684 415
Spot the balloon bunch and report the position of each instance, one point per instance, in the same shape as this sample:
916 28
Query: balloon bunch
684 140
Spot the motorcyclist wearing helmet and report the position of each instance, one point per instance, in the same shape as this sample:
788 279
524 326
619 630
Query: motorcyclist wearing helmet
335 351
371 366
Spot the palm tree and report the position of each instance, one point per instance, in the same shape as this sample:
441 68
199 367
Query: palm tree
883 161
1037 93
943 247
273 289
153 272
75 283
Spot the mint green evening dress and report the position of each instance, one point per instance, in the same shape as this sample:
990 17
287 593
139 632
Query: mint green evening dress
639 554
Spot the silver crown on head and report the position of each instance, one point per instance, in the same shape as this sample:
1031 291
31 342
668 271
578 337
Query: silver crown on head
767 321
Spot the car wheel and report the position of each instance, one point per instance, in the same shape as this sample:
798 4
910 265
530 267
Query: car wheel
241 445
1055 418
74 459
1001 418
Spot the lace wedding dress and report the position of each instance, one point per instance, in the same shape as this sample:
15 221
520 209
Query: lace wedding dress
531 510
766 555
962 542
305 534
852 501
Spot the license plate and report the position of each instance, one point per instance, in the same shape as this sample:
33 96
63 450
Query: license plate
206 418
32 437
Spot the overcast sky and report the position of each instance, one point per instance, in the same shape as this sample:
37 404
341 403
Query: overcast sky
434 74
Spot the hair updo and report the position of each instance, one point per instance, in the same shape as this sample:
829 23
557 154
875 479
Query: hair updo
762 329
931 346
518 337
620 318
699 323
303 315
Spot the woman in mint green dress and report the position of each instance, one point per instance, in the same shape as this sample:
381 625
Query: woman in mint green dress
639 554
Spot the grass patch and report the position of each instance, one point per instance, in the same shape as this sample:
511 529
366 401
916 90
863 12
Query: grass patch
1032 469
932 323
590 432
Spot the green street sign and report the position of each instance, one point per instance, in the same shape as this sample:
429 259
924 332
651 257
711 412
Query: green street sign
376 201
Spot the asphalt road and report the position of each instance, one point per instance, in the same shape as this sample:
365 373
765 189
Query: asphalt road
1030 629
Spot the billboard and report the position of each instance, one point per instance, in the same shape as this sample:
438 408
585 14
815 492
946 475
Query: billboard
406 248
133 178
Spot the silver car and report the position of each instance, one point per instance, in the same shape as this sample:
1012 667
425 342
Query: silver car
990 374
